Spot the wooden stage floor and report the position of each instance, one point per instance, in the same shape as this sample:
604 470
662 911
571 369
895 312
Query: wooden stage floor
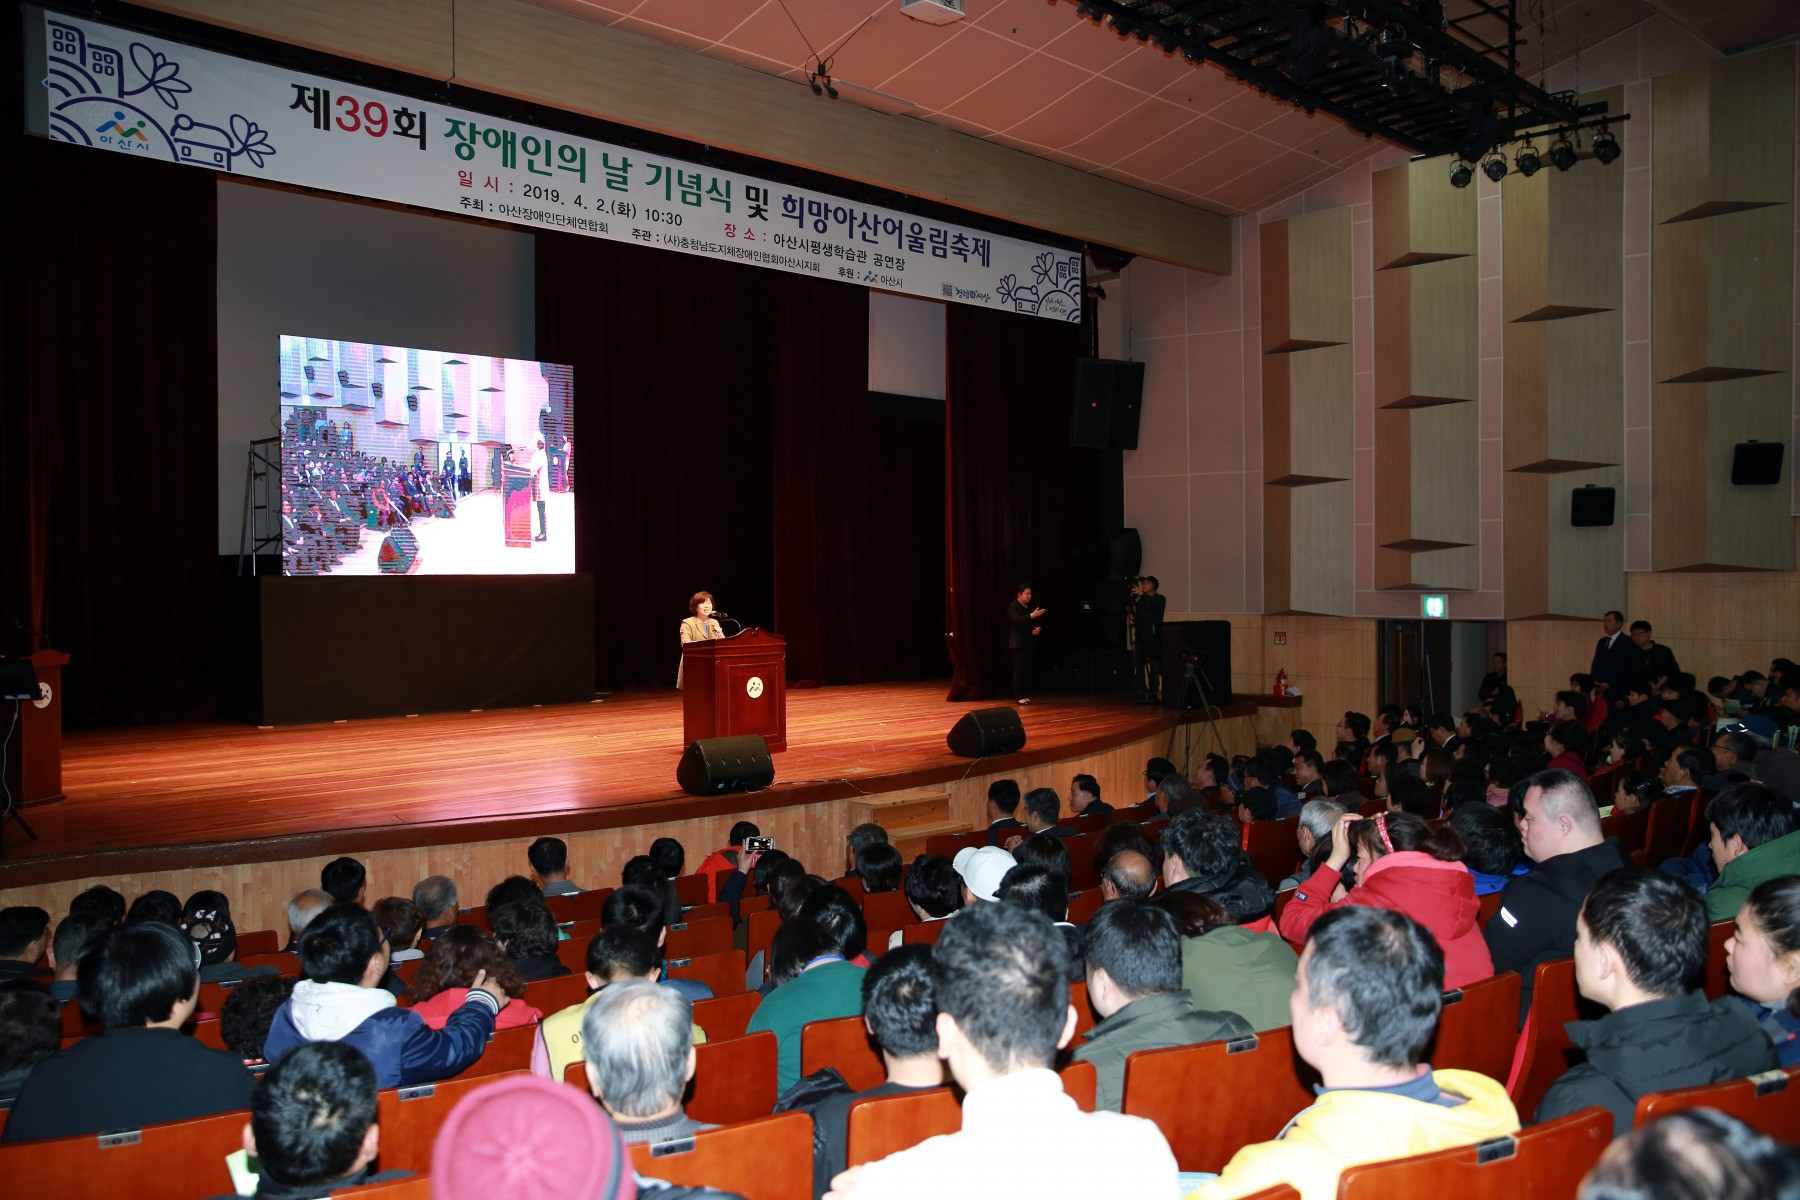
213 793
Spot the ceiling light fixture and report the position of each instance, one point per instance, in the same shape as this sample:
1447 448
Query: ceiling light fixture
1527 160
1461 173
1494 166
1606 146
1562 154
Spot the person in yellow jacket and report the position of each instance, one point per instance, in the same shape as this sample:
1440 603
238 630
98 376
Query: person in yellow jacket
1368 994
620 951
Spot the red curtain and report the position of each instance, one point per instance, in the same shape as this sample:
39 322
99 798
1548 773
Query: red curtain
1022 503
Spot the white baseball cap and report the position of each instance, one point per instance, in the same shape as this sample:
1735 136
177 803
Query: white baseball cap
982 868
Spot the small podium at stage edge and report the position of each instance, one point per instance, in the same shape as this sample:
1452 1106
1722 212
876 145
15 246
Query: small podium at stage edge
733 686
34 766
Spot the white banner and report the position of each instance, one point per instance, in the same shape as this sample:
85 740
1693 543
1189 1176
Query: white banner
113 89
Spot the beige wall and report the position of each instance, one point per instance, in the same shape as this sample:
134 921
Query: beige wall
1330 659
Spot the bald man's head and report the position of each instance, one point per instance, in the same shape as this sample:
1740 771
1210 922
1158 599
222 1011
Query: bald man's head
1128 875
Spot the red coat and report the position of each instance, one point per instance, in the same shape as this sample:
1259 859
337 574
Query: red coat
1438 895
1568 760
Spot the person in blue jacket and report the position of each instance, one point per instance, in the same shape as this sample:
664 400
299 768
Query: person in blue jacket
343 956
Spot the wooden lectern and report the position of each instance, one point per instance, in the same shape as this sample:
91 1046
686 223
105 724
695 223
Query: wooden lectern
733 686
34 771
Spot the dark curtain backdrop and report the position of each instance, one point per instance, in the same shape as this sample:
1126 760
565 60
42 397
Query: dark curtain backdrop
1023 504
111 426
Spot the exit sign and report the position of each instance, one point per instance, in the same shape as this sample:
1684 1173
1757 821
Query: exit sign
1434 608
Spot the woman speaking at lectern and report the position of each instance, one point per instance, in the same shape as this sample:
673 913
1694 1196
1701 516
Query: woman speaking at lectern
700 627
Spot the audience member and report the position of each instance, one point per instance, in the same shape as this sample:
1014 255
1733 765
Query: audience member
642 909
301 911
878 866
1044 891
721 863
74 934
1564 743
1754 836
860 838
1228 968
1318 817
1003 1012
1134 983
1492 851
618 952
404 924
934 891
345 880
1002 803
982 868
637 1040
206 920
343 960
669 857
1655 661
1560 829
24 936
155 905
641 870
312 1124
900 1012
436 899
441 984
30 1032
549 858
1127 875
141 984
105 905
528 934
1763 957
1048 851
1365 1009
1640 946
514 889
1408 793
1084 798
1309 773
1043 811
1694 1154
822 985
1201 853
248 1012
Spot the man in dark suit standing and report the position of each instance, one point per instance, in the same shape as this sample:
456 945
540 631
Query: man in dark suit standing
1022 632
1615 658
1147 611
1655 661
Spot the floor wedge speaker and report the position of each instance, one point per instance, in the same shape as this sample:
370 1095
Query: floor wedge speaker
725 764
985 731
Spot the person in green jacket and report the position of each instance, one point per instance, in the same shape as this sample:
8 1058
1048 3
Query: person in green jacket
1754 836
1226 966
1134 984
815 979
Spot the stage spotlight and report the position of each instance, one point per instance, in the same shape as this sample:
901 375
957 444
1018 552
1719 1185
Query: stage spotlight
1461 173
1562 154
1606 147
1495 166
1527 160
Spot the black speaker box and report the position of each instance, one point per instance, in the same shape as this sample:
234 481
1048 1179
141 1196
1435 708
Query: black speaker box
986 731
1209 644
1125 553
399 554
725 764
1591 505
1108 396
1756 464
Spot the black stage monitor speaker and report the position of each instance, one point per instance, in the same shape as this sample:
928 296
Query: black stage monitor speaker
399 553
1756 464
1108 396
1206 646
985 731
1591 505
725 764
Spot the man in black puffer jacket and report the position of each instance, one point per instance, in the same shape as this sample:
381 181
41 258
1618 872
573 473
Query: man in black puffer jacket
1640 945
1201 853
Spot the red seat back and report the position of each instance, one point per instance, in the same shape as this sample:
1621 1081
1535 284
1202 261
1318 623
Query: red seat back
1545 1160
1081 1082
1665 828
726 1016
1273 846
1084 1012
697 938
734 1079
410 1118
1084 904
884 1125
258 941
183 1158
1476 1031
888 910
583 906
722 972
707 912
759 934
842 1043
925 933
1631 828
765 1159
1768 1102
1545 1055
1717 980
1248 1089
553 995
692 889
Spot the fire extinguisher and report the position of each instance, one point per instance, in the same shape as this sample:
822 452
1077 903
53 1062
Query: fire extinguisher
1281 682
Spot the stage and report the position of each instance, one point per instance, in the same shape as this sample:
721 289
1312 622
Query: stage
257 811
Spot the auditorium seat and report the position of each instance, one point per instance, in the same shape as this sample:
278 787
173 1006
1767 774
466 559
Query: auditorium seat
285 964
1282 899
1081 1081
1488 905
887 910
553 995
1084 904
580 931
692 889
842 1043
258 941
507 1050
1698 828
75 1023
1769 1102
882 1125
212 995
476 916
1717 979
851 884
765 1159
722 972
1082 873
1084 1012
1475 1032
185 1158
759 935
1373 806
1213 1098
751 904
208 1033
708 912
1140 812
696 938
1545 1160
1666 828
572 953
411 1116
925 933
1545 1053
583 906
1273 846
1630 828
726 1016
947 844
734 1079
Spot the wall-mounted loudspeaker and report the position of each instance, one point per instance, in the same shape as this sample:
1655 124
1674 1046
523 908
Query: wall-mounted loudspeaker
1591 505
1108 394
1756 464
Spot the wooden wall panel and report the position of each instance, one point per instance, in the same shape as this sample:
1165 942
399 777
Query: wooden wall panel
1562 297
516 48
1427 378
1722 345
1308 414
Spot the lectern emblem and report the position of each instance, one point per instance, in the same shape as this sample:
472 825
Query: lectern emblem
43 699
754 686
